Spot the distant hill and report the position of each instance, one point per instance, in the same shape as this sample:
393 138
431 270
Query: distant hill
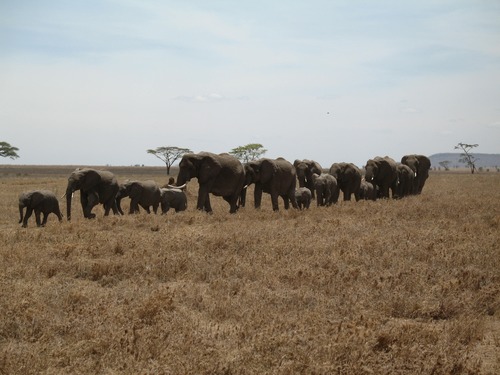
483 160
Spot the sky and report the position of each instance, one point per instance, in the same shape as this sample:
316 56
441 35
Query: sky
98 82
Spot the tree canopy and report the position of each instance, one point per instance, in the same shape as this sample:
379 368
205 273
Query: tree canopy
8 151
249 152
168 154
466 157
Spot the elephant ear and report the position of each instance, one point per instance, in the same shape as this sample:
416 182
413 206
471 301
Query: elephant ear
135 189
297 162
209 168
268 169
36 198
314 167
89 179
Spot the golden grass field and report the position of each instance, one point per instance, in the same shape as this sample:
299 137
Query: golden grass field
407 286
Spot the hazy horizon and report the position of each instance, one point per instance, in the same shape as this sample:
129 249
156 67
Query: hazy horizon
100 82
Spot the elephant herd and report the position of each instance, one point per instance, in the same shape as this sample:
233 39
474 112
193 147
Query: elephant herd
225 176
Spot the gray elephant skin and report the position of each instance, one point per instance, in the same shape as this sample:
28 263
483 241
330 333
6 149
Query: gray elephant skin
420 166
327 190
218 174
348 178
276 177
142 193
305 170
382 173
95 187
40 201
303 197
406 177
172 198
367 191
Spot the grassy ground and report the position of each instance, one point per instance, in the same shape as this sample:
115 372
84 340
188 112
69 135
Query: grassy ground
407 286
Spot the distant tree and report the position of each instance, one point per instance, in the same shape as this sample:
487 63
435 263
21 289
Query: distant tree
8 151
249 152
445 164
466 157
169 154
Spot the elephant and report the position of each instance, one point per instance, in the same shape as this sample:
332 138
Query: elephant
406 179
305 169
144 193
303 197
172 198
367 191
327 190
274 176
420 166
95 187
382 173
348 179
40 201
222 175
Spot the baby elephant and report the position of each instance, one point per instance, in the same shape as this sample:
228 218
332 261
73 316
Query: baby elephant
303 197
172 198
40 201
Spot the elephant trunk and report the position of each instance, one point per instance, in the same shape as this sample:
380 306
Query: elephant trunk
69 195
182 179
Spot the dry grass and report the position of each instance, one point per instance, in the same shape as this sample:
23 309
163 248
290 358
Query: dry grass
407 286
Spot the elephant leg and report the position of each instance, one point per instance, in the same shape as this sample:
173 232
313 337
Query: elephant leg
115 208
274 201
243 197
208 206
45 216
29 211
286 202
118 206
92 200
146 208
233 203
347 194
257 195
134 206
84 202
37 218
155 208
202 198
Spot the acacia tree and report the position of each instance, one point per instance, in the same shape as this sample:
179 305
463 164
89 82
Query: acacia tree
445 164
249 152
466 157
8 151
168 154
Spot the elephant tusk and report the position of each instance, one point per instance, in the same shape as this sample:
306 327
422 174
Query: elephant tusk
177 187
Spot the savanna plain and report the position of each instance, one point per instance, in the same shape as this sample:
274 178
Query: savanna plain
409 286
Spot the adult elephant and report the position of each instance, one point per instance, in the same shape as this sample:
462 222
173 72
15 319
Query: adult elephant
40 201
95 187
348 179
382 173
222 175
406 179
276 177
305 170
327 190
420 166
144 193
